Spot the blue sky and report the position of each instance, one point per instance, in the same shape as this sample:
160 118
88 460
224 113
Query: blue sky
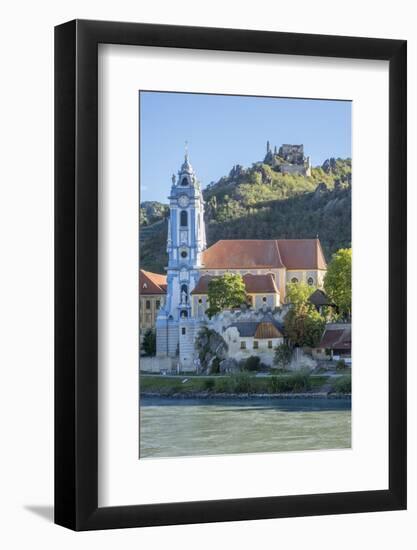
225 130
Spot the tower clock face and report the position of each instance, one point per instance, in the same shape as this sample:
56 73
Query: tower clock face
183 201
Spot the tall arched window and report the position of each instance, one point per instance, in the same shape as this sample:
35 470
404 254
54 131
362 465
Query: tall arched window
184 181
183 218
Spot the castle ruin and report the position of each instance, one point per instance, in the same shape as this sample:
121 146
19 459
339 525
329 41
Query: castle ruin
289 159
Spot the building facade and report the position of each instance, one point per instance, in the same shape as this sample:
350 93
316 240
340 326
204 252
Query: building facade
152 294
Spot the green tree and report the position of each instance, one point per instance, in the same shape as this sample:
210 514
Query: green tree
299 293
227 291
303 325
282 357
252 363
149 342
338 281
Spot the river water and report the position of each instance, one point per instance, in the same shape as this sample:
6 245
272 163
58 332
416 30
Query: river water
190 427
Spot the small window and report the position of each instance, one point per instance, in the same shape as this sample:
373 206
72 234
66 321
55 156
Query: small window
184 254
144 285
255 344
310 281
158 304
264 299
294 280
270 344
200 301
148 304
183 330
183 218
242 345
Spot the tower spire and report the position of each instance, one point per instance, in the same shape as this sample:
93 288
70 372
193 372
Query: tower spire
186 150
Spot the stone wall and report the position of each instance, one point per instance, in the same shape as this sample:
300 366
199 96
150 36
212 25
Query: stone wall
167 337
156 364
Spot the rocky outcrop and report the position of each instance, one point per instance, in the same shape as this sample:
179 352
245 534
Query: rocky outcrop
329 165
211 349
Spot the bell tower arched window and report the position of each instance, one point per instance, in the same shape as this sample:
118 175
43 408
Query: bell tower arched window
184 181
183 218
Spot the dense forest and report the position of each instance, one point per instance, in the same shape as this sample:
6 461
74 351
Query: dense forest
261 203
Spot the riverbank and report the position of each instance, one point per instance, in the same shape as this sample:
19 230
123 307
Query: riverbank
246 385
254 396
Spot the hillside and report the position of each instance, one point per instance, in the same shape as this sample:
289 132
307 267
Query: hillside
152 211
260 203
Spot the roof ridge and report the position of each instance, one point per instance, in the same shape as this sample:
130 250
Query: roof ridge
319 248
279 253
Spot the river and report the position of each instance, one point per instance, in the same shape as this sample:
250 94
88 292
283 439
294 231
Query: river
198 427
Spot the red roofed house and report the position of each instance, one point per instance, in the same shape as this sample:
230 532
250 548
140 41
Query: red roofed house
336 342
152 295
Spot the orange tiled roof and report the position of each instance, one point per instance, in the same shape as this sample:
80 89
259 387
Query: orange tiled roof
254 284
244 253
336 338
273 254
302 253
267 330
152 283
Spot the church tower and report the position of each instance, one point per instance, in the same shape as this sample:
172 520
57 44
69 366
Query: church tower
186 241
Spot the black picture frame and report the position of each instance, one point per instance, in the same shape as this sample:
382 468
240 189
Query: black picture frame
76 272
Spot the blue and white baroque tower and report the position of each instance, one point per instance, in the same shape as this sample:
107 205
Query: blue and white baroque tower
186 241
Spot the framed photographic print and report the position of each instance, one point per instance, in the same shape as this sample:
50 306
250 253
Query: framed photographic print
230 275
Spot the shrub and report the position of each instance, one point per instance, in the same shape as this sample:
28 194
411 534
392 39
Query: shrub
340 365
297 382
343 384
252 363
215 366
300 381
149 342
241 382
209 384
282 357
277 384
223 385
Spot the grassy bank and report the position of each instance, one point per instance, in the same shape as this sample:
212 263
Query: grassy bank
243 383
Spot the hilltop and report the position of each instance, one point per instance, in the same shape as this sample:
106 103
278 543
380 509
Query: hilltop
262 202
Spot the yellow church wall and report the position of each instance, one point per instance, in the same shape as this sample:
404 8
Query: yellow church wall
272 300
303 275
257 299
149 306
